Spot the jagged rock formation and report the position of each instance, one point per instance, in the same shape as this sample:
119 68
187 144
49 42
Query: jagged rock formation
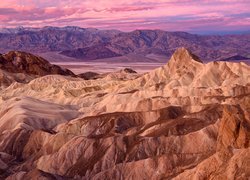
185 120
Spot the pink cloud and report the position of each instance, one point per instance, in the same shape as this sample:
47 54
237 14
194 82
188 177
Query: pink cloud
128 9
127 14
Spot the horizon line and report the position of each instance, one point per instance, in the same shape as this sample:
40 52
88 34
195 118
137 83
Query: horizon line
138 29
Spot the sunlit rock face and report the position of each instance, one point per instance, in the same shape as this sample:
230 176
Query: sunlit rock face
185 120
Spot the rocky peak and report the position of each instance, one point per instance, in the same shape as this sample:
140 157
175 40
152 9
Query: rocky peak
184 55
184 61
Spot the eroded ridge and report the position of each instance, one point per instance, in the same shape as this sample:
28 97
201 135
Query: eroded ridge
185 120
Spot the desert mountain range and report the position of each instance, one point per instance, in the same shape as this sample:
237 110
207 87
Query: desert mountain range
184 120
88 44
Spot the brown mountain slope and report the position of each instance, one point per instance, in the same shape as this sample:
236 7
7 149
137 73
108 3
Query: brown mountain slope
185 120
21 62
22 67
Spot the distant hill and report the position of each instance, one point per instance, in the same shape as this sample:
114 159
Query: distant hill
87 44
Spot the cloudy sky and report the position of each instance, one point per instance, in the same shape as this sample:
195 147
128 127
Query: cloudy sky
201 16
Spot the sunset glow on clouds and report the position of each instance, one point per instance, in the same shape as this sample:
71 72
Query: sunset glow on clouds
126 15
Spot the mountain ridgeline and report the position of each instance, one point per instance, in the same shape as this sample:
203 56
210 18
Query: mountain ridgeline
92 44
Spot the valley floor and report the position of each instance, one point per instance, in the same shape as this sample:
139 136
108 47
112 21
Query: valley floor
104 67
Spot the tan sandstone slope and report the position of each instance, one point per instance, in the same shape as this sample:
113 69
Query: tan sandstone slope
185 120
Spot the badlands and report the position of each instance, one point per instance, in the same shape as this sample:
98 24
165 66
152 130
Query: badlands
184 120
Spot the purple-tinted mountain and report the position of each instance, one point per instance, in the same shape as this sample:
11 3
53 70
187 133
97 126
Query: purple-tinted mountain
91 53
91 44
236 57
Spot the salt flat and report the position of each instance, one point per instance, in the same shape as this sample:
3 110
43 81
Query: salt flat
103 67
